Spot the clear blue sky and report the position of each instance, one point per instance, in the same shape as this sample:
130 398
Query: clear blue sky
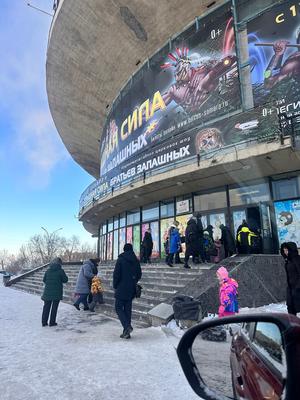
40 184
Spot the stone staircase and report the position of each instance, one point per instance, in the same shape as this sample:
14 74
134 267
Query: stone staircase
159 282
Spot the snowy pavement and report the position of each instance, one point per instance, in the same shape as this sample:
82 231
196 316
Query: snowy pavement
82 358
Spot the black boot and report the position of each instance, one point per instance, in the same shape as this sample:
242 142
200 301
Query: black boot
76 306
186 266
125 334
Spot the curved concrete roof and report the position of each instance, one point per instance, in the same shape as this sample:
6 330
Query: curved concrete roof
94 47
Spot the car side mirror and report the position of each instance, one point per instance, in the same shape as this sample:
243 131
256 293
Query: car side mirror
251 357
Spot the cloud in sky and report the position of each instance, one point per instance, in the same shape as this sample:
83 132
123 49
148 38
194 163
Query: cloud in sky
39 144
23 99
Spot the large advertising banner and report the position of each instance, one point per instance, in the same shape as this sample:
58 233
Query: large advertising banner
109 254
153 226
122 238
288 221
191 80
129 234
116 245
165 225
251 126
136 240
274 50
216 220
183 220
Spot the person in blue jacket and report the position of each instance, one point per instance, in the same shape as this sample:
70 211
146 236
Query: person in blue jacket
174 240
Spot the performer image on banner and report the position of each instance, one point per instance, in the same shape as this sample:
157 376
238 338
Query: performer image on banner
274 50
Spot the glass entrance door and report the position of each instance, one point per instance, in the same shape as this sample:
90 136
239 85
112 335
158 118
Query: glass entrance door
259 220
266 229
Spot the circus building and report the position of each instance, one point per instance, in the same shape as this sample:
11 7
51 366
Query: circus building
180 107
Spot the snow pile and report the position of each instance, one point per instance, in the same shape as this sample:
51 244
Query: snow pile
272 308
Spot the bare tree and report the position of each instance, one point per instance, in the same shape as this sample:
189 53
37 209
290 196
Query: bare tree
4 257
45 246
70 247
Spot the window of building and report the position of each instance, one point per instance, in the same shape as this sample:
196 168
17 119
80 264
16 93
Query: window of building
116 222
184 204
268 339
110 226
122 220
104 228
116 244
210 201
251 194
167 208
133 216
150 212
285 189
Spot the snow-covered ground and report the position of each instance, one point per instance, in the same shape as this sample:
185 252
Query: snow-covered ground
83 358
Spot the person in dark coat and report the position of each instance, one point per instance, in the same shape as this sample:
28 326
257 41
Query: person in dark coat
290 254
147 247
210 230
201 236
53 279
126 274
84 281
192 239
227 241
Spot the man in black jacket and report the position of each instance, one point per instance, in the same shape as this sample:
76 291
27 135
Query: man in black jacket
227 241
192 241
290 254
127 273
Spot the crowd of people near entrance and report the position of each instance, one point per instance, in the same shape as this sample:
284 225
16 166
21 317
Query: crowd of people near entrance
201 244
127 273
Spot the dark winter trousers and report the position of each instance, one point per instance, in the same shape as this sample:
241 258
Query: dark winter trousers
97 298
170 258
46 311
291 302
189 252
82 299
228 253
123 310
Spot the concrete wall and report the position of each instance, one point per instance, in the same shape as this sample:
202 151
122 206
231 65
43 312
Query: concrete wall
261 279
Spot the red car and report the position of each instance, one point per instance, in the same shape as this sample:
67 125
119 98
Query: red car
263 355
257 361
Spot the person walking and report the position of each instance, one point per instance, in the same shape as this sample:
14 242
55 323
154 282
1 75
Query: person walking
290 254
147 245
227 293
84 280
54 278
179 250
227 241
192 239
198 217
174 244
126 274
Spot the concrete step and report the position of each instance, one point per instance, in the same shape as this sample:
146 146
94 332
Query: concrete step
159 283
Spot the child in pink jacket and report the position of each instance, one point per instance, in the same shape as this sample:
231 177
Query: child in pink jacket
227 293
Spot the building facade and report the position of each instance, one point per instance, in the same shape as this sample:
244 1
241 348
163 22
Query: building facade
207 123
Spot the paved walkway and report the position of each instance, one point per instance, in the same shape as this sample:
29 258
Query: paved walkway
83 357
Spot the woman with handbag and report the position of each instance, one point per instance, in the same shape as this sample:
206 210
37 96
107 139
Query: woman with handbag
126 275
